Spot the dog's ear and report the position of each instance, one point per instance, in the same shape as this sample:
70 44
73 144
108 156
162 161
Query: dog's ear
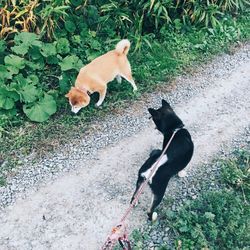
165 104
153 112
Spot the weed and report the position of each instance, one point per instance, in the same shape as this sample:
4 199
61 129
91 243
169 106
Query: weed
2 181
236 173
218 219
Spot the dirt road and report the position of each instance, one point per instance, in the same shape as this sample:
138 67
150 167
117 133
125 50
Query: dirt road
78 208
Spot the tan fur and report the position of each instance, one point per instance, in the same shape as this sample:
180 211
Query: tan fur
95 76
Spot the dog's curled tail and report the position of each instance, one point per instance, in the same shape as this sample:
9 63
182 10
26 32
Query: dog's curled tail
123 47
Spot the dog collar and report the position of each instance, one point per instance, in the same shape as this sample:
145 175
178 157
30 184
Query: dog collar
83 90
179 128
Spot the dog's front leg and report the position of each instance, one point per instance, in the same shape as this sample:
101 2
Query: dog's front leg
102 94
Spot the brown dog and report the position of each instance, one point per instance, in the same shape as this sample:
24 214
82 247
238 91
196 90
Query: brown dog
95 76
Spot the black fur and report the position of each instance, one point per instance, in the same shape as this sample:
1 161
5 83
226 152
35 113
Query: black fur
179 153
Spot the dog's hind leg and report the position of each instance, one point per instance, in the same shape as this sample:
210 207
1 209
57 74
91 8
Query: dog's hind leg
155 152
158 193
156 200
130 79
138 184
126 74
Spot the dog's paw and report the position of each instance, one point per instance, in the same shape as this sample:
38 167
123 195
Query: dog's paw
136 203
132 199
149 216
135 89
182 174
98 106
154 216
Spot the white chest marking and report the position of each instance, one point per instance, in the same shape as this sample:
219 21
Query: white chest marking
162 161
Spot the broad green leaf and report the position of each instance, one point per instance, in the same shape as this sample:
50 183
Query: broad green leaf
23 41
4 73
37 44
33 79
26 38
71 62
41 110
20 49
35 53
14 61
63 46
64 83
29 93
6 102
70 26
76 39
11 93
52 60
91 54
12 70
76 2
7 98
21 80
2 46
8 112
34 66
25 87
95 44
48 49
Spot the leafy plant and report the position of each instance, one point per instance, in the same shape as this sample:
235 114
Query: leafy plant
41 110
18 85
236 173
217 219
63 46
70 62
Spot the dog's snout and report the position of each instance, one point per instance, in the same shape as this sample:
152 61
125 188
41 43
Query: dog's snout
75 109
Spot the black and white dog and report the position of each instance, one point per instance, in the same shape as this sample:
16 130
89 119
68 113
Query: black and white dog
176 158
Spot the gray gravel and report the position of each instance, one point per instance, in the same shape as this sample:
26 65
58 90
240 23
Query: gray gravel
93 178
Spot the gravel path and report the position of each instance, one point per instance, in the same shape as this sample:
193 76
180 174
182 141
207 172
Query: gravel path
71 199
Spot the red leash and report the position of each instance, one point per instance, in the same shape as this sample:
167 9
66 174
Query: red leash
119 233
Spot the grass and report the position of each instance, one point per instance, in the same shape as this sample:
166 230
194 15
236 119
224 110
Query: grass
218 219
154 65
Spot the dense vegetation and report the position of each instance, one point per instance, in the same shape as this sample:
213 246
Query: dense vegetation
218 219
44 43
